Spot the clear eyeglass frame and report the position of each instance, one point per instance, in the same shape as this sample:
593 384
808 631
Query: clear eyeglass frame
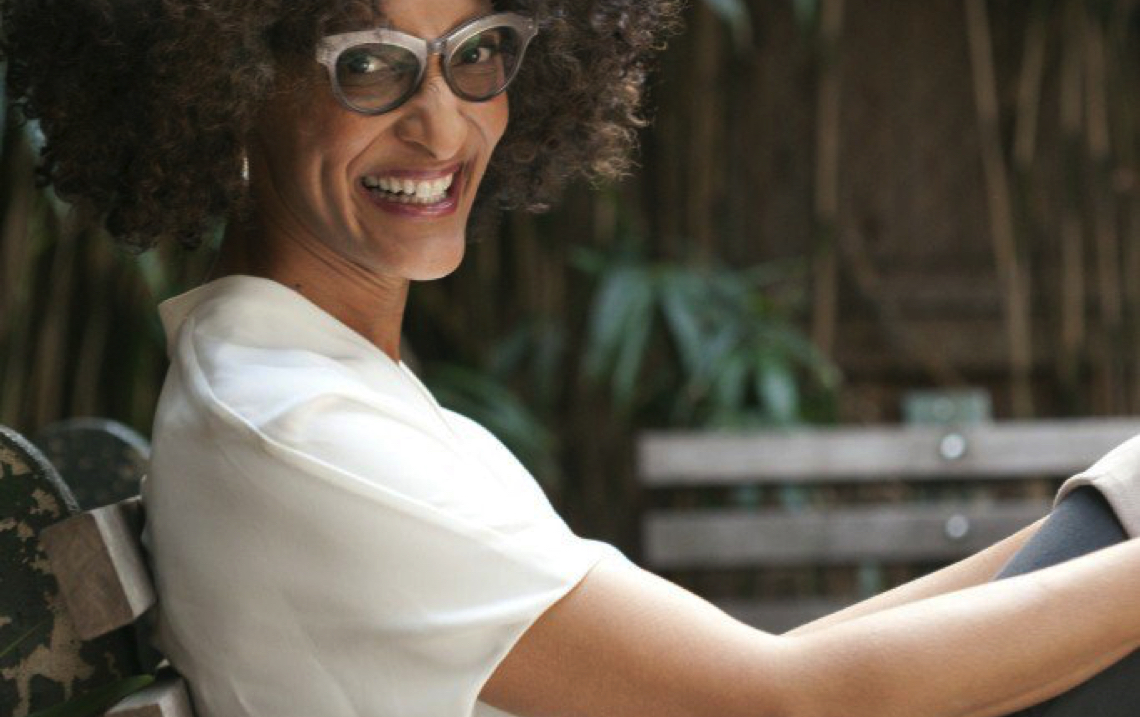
330 48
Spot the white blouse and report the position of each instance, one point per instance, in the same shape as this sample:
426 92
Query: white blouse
327 540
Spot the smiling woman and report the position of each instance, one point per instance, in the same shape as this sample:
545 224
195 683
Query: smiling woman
326 538
189 79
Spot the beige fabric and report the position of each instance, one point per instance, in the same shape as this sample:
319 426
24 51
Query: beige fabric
1117 477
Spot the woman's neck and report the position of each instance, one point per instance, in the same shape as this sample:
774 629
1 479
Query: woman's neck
369 303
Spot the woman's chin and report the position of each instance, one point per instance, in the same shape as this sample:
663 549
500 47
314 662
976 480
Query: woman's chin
438 264
434 275
419 256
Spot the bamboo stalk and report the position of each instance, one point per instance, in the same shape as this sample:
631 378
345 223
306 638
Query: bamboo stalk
1126 183
1030 81
825 270
1073 323
13 231
704 150
51 364
1110 365
1010 265
16 319
105 275
1029 189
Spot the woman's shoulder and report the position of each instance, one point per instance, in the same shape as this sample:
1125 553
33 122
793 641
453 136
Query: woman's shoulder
257 351
249 310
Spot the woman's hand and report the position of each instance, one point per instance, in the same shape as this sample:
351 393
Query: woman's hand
625 643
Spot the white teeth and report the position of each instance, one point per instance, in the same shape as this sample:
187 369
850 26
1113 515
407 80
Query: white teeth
409 191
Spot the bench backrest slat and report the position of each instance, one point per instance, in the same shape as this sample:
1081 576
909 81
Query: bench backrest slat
1000 450
731 538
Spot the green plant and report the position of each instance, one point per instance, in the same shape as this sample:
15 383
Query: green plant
692 345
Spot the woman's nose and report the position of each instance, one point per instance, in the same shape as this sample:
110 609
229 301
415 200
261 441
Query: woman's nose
433 120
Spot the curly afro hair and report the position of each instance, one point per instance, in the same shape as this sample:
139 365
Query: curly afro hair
144 103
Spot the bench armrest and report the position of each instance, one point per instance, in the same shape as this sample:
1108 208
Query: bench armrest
98 560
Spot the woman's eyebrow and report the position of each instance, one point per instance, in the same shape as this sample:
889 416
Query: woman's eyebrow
360 19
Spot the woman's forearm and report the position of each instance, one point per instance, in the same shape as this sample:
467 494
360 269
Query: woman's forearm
987 650
977 569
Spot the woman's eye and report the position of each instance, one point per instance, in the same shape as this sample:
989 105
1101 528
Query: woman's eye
370 62
477 54
361 63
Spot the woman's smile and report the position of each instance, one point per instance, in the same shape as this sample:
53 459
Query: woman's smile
416 193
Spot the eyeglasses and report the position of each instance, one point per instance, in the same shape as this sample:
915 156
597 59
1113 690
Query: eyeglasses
376 71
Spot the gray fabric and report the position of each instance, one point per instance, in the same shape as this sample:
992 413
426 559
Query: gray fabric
1082 523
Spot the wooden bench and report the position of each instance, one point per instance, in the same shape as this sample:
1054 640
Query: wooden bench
866 498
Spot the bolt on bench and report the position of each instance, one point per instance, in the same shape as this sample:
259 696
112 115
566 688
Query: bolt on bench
866 498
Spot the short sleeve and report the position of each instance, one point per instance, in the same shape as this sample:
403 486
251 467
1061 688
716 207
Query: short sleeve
391 562
1116 475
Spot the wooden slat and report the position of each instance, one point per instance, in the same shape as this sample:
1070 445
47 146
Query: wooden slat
98 561
779 616
998 450
165 698
896 533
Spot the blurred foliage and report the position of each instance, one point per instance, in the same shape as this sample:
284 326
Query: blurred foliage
689 345
667 343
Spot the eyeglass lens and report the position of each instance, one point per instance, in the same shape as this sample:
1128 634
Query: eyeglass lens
377 76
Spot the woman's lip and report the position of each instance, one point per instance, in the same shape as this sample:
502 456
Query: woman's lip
422 175
445 207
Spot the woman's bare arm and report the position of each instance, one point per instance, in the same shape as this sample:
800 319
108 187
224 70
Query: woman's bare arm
977 569
625 643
